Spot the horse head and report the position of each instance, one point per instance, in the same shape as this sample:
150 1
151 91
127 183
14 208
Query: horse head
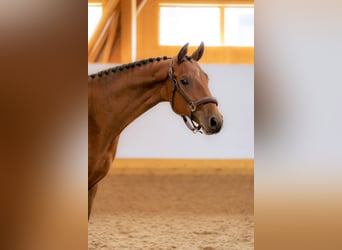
190 94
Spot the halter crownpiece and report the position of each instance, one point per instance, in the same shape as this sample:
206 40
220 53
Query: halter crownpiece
193 104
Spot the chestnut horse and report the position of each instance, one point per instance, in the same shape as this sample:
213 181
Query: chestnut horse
119 95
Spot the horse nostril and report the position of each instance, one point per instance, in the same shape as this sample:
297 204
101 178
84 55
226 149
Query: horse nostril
213 123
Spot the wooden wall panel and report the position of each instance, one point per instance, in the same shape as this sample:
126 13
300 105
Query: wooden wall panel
128 16
182 166
147 27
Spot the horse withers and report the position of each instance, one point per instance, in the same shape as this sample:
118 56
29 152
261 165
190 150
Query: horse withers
119 95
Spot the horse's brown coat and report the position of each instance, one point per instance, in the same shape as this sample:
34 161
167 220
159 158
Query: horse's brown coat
118 96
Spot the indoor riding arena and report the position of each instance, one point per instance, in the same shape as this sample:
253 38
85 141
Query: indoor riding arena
173 181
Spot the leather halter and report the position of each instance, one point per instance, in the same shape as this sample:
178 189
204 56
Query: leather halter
193 104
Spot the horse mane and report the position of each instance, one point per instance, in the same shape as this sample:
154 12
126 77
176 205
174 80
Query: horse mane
127 66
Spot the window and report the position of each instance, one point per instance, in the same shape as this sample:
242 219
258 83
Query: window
179 25
94 15
239 26
216 26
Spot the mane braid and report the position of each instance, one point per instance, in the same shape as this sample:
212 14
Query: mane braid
127 66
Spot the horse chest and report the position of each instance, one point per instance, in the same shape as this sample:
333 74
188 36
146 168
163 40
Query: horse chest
100 169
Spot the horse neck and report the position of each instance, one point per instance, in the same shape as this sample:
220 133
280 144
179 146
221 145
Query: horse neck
116 99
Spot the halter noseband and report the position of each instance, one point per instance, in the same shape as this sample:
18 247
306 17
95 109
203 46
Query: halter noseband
193 104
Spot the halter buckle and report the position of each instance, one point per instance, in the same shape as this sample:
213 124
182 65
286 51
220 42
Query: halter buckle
193 107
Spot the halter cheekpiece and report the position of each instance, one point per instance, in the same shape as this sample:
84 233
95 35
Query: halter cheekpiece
193 104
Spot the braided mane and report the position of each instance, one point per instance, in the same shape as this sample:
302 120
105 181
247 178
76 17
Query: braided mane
127 66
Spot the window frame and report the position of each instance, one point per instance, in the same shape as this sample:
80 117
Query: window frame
213 54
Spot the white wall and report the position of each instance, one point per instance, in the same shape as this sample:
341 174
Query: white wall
160 133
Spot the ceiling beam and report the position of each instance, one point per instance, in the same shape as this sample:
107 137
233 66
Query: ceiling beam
108 12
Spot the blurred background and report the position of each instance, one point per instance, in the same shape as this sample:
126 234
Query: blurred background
298 124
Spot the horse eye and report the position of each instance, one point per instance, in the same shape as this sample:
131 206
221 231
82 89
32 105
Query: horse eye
184 81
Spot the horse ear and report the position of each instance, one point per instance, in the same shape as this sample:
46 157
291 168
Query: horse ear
198 52
182 53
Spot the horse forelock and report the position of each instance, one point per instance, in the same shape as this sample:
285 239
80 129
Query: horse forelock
128 66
